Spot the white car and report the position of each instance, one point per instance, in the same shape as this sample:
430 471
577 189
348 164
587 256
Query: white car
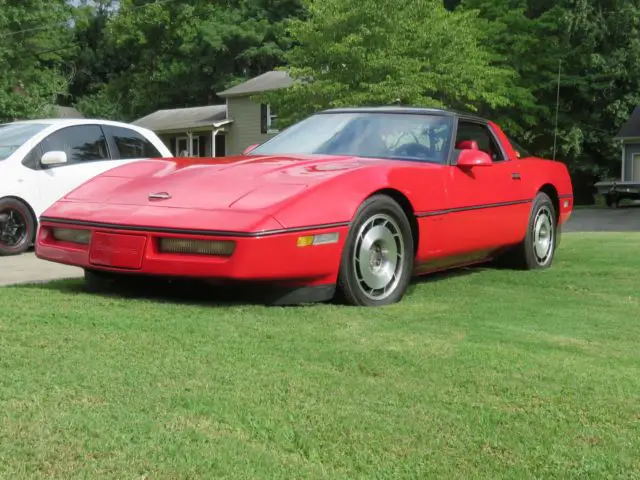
42 160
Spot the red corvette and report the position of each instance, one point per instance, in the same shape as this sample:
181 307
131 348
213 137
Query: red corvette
347 204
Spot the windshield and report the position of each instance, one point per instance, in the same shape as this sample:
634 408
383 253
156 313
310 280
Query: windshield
13 135
420 137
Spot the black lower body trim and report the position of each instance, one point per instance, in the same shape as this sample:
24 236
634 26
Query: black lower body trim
204 290
472 207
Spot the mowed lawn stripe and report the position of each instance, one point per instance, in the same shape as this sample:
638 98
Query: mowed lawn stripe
482 373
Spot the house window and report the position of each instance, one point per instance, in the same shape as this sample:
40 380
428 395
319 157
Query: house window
268 119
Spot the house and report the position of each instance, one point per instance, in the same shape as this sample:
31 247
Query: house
220 130
630 135
252 122
190 132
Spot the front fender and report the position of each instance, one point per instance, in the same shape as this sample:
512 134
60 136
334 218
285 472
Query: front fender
337 199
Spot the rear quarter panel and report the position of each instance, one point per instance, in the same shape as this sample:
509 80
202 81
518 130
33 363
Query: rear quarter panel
540 174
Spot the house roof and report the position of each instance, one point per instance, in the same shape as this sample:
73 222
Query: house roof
184 118
631 128
273 80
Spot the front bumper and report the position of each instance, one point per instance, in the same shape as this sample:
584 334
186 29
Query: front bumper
275 257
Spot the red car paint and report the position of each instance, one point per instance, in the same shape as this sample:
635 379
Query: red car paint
464 214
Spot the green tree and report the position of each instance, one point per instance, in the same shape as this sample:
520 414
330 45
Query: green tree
34 37
595 42
378 52
179 54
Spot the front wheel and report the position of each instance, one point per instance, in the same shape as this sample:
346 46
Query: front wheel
377 261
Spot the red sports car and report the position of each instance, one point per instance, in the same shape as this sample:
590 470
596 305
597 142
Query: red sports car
347 204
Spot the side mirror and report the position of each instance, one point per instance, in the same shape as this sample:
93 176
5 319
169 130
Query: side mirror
250 148
55 157
474 158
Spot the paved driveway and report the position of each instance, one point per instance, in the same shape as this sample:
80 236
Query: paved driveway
623 219
28 268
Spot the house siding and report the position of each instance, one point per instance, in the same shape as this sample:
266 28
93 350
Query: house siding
630 149
245 130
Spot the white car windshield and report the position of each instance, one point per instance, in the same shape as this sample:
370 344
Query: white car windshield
13 136
398 136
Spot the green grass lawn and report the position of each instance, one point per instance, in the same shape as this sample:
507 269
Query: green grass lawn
484 374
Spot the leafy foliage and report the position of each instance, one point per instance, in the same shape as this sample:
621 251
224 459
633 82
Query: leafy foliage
178 54
123 59
380 52
33 37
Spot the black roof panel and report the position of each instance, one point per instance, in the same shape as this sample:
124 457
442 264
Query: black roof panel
406 110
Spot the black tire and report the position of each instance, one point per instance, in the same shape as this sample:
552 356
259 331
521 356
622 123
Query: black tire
17 227
526 256
396 233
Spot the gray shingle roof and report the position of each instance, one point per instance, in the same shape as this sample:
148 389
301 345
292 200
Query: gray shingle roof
631 128
183 118
273 80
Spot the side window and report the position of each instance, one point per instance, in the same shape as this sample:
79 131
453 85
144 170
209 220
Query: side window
85 143
32 159
521 152
482 135
131 144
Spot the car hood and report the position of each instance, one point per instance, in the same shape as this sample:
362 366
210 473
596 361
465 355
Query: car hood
231 182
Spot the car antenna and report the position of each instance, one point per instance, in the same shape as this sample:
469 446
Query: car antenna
555 128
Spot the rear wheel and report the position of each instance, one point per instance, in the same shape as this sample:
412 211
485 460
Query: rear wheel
612 200
377 261
17 227
539 245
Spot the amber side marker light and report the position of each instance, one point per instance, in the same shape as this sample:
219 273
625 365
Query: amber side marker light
321 239
71 235
221 248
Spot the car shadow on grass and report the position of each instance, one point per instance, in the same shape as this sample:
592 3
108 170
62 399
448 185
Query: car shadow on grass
190 292
185 292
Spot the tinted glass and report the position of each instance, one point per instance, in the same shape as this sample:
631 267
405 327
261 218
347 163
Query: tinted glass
518 148
481 134
131 144
84 143
381 135
13 135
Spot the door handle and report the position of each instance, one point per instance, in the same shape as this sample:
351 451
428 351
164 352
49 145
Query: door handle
515 176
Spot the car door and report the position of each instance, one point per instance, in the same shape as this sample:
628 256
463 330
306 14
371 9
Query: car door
487 204
87 153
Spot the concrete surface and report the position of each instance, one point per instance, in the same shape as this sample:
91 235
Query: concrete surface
27 268
623 219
